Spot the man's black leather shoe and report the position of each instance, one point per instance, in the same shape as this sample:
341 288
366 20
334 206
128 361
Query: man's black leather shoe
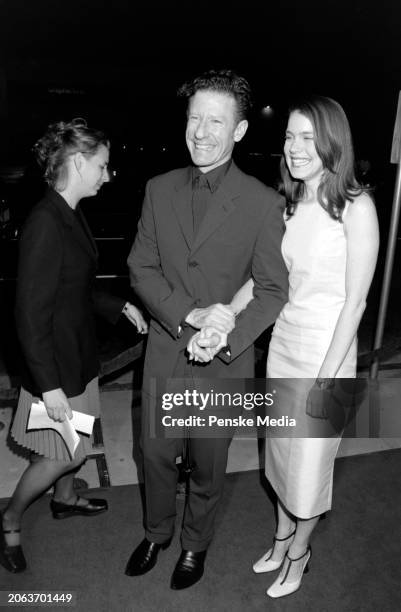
189 569
144 557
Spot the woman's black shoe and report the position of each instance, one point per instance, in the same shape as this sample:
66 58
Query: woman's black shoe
11 557
93 507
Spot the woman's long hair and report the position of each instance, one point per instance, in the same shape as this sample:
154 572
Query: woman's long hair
333 142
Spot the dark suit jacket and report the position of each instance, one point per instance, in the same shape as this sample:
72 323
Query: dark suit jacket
174 272
56 298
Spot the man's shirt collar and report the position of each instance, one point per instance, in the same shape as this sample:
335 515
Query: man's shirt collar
214 177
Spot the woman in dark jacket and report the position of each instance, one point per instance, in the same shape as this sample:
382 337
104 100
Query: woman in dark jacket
54 314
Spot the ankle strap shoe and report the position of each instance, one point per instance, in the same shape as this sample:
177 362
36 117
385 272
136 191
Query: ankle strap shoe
92 508
281 587
265 563
11 557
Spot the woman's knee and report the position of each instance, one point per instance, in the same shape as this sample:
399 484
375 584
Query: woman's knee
59 468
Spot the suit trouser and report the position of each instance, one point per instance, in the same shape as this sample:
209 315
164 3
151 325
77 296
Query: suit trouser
209 460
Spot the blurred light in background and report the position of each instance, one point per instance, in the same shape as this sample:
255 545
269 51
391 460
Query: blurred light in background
267 111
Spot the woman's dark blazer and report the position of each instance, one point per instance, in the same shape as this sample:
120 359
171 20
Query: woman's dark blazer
56 299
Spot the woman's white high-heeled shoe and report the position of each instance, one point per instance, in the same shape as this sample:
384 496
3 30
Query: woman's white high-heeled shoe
265 563
281 588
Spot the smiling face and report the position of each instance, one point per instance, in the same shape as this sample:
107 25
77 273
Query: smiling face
212 128
300 152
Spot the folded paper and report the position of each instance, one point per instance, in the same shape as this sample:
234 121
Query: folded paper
39 419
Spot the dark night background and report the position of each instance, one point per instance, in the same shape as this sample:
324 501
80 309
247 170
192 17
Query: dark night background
119 63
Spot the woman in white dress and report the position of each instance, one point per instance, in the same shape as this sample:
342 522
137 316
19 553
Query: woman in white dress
330 248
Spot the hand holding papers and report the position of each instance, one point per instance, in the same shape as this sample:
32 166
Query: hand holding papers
39 419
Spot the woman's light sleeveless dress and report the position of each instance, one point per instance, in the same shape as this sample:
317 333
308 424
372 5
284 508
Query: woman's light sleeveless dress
314 248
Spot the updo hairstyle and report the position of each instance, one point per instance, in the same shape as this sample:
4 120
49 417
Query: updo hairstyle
61 140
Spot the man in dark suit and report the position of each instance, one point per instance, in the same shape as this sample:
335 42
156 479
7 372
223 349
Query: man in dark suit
204 231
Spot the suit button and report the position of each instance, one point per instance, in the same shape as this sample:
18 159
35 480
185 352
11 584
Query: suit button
193 264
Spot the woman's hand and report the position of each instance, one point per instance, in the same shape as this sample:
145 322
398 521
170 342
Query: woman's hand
57 405
204 345
195 352
135 317
219 316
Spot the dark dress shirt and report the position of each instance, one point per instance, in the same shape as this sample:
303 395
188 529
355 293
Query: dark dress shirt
204 184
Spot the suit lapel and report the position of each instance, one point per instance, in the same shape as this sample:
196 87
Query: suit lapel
221 206
183 209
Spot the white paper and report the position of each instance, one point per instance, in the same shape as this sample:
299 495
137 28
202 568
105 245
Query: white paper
39 419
